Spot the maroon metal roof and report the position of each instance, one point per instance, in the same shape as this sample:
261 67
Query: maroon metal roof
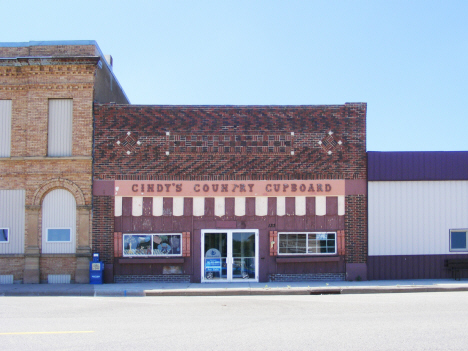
417 165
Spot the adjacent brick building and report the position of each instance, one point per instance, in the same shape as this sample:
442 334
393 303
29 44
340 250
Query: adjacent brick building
226 193
47 91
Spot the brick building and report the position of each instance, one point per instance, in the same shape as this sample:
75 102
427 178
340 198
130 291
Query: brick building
230 193
47 91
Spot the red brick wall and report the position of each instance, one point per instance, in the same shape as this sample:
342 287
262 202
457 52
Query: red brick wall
356 228
103 228
198 150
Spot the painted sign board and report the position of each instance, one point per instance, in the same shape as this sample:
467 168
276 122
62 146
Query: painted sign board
230 188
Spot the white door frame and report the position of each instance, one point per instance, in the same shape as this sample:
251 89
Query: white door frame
230 259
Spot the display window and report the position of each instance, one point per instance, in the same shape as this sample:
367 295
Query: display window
315 243
152 244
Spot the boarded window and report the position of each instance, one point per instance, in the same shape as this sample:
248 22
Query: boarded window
5 128
60 127
58 222
12 218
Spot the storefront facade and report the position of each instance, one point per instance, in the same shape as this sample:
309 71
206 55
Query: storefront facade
236 193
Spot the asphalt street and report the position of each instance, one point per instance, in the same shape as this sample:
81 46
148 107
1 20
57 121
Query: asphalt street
424 321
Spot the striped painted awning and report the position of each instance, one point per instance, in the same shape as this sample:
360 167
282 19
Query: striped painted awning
299 205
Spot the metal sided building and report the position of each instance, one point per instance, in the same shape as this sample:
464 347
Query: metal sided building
418 213
230 193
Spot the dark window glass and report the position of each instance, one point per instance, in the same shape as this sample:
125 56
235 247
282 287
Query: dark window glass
3 235
458 240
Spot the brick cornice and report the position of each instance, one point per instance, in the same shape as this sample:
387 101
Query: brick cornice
47 61
47 87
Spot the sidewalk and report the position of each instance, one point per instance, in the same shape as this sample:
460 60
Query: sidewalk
234 289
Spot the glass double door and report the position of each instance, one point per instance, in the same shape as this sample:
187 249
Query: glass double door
229 255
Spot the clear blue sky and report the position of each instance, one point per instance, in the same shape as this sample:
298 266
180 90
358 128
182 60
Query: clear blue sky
407 59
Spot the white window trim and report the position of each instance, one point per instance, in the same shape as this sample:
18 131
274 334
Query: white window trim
450 240
307 244
8 236
60 241
152 255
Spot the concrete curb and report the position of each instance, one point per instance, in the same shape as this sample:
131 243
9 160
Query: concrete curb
300 291
403 289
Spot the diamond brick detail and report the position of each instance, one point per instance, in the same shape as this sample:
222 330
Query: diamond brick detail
330 143
129 142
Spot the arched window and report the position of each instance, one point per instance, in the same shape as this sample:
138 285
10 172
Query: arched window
59 222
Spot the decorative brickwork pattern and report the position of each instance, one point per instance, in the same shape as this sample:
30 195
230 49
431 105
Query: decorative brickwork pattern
252 143
331 143
307 277
165 278
356 229
167 135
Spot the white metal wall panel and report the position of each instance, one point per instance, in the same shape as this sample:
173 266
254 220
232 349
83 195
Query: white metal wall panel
414 217
12 216
5 128
59 211
6 279
60 127
58 278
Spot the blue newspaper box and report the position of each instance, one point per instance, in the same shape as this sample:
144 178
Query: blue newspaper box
96 270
